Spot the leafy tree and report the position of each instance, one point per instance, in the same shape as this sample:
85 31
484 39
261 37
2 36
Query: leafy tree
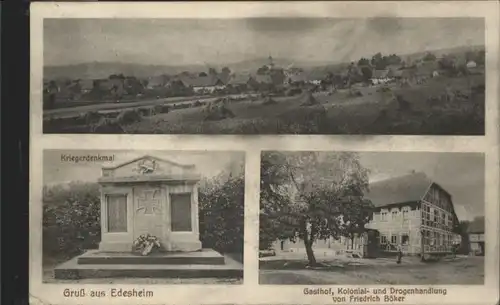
312 196
226 70
71 218
429 57
202 74
480 57
363 62
392 59
448 63
212 71
221 202
263 70
367 73
376 59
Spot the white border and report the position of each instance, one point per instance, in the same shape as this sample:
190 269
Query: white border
250 292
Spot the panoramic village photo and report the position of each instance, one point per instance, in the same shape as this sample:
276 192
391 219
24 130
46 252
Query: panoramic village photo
347 218
407 76
133 217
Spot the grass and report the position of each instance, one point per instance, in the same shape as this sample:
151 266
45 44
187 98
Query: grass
371 113
458 271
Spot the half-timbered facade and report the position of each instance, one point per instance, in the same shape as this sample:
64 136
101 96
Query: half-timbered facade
415 213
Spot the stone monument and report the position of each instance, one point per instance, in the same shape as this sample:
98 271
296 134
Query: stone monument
149 195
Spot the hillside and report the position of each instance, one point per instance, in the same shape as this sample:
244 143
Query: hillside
104 69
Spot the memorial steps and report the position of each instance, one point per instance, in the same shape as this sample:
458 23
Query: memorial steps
199 264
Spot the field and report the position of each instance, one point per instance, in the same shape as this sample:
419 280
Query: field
428 109
462 270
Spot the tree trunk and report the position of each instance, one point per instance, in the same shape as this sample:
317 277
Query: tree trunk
308 245
310 253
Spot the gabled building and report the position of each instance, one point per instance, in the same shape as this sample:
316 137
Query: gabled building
208 83
380 77
159 81
414 212
476 236
239 81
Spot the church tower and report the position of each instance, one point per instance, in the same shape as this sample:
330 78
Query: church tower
270 62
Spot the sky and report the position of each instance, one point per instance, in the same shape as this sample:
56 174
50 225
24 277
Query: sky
223 41
461 174
208 164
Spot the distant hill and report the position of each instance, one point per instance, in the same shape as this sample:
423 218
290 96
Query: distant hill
97 70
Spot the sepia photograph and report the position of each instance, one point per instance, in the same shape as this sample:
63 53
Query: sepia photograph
134 217
357 218
264 75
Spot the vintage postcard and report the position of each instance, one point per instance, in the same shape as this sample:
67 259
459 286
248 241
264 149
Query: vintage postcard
264 153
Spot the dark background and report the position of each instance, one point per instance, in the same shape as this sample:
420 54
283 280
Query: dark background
14 157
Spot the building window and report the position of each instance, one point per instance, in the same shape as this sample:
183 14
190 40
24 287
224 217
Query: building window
394 214
394 239
383 239
383 216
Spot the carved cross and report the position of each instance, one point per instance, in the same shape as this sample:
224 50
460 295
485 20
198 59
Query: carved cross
149 204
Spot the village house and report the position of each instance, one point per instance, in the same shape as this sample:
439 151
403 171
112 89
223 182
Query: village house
380 77
239 81
158 81
410 211
476 236
86 85
208 83
414 212
316 77
296 79
260 81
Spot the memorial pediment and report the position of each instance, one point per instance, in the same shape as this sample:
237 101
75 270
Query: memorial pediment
149 168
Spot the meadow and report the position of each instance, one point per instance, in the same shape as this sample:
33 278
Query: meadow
439 106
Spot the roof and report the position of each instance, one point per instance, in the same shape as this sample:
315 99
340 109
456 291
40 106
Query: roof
224 77
87 84
203 81
148 157
296 78
317 75
393 67
407 73
157 81
266 79
380 73
407 188
397 73
476 225
239 79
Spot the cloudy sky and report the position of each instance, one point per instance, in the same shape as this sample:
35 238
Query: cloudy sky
208 164
223 41
461 174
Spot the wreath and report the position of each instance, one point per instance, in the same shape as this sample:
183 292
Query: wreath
146 243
